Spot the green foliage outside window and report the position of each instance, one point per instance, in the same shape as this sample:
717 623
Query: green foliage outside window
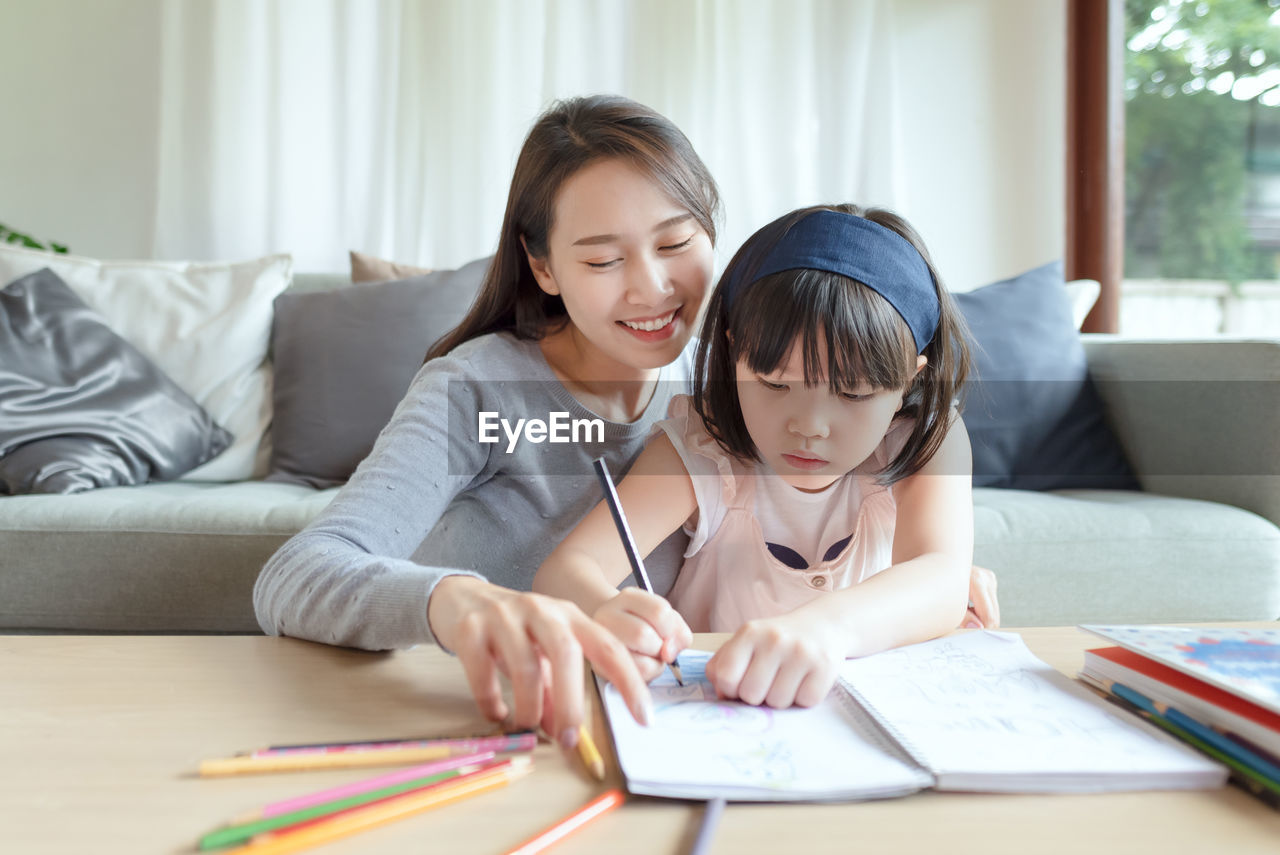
1202 114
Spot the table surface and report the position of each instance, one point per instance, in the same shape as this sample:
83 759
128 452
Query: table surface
100 737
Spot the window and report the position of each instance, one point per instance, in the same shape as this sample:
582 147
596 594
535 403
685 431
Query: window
1202 168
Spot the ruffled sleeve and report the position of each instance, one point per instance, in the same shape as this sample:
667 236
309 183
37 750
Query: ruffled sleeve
712 470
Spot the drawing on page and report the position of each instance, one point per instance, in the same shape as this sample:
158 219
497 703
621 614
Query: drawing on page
948 672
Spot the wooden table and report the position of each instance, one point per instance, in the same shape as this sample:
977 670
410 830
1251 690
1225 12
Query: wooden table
100 737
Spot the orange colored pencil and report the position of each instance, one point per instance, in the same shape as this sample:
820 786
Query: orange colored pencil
353 822
570 824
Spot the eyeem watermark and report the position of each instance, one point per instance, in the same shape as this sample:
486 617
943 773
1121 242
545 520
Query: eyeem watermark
557 428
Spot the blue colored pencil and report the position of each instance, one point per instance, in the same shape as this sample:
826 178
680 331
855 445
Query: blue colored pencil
1203 732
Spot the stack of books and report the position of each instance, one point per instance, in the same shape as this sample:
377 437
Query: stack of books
1216 689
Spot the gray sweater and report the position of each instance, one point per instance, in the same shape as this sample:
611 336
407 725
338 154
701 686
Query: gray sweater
432 499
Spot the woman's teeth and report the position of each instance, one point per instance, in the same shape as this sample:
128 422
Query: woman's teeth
650 326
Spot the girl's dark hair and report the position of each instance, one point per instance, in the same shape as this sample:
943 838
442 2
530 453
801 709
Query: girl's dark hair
570 135
860 334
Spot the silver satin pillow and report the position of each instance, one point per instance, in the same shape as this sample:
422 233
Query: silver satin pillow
80 407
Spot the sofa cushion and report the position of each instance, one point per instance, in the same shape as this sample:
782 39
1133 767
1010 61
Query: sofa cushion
1119 556
207 325
177 556
80 407
1034 417
370 268
344 359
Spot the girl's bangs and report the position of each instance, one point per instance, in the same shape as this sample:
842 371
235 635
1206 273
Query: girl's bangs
838 321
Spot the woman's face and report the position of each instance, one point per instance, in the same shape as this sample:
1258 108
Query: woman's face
631 265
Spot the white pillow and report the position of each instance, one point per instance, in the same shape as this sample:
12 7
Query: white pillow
207 325
1083 293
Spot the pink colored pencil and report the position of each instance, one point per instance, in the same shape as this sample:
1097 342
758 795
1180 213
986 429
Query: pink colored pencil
356 787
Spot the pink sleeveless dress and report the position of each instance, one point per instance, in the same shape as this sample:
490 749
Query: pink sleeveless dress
730 575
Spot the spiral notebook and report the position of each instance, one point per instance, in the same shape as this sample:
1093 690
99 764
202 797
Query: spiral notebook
972 712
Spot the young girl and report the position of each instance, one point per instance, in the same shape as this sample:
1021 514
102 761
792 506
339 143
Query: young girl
819 467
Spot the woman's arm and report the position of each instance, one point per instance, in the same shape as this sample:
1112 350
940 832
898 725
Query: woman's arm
792 658
348 579
657 497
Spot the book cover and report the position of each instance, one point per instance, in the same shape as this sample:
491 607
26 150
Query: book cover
1245 662
1216 707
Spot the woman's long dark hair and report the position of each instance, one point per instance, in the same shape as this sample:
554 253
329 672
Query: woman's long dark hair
839 321
568 136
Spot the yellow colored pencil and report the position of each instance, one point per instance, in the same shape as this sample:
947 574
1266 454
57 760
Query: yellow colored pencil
363 819
589 753
252 765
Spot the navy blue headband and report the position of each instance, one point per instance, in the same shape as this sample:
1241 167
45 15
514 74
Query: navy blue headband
878 257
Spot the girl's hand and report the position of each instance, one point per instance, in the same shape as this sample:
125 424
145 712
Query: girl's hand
538 643
984 608
647 625
782 661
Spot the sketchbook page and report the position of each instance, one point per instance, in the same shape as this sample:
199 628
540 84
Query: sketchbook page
982 713
1245 662
699 747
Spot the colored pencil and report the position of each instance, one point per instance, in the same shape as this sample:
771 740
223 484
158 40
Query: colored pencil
501 743
1245 777
571 823
1202 732
242 832
590 754
381 813
387 741
707 830
290 761
628 542
357 787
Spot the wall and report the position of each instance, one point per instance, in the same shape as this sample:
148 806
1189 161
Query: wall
79 147
987 135
984 134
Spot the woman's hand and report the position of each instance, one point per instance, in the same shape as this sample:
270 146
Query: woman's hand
782 661
984 608
538 643
647 625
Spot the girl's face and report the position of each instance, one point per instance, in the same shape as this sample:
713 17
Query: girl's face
631 265
810 436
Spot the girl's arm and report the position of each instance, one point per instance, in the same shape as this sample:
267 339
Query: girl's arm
793 658
657 497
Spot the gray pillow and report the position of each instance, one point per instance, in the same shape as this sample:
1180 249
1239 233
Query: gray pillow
1035 419
344 359
80 407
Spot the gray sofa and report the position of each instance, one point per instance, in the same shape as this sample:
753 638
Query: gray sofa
1201 542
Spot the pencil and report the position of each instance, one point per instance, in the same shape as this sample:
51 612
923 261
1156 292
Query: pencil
372 816
571 823
590 754
398 740
232 835
707 831
357 787
294 761
628 542
501 743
